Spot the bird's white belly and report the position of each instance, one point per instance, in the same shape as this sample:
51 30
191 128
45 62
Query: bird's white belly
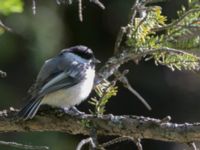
73 95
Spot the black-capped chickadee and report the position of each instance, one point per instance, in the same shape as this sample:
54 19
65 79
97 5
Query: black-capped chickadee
63 81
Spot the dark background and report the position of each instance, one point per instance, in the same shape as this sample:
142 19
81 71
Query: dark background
37 38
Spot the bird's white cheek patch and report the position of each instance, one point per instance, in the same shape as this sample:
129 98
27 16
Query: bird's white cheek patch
73 95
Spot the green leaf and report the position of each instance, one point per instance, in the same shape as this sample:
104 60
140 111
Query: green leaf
177 61
143 35
105 90
11 6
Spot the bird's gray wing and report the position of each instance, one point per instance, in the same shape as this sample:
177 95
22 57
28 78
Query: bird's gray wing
58 72
67 78
55 74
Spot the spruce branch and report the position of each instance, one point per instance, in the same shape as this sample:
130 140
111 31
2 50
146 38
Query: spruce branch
113 64
176 22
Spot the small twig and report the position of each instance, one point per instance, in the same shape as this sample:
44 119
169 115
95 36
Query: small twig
193 146
84 142
34 7
130 88
3 74
58 2
119 38
166 119
80 10
68 2
138 144
22 146
2 25
127 85
133 12
144 15
93 135
153 1
116 140
98 3
119 76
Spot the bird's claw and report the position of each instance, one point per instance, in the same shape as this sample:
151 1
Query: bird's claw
73 111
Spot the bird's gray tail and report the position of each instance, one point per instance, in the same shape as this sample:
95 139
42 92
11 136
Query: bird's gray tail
29 110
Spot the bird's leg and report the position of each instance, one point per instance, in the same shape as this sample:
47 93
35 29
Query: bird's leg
73 111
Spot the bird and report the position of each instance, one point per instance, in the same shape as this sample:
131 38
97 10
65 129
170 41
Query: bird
63 81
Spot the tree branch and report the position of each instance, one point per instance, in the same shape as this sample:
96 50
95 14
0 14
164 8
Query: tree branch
113 64
84 142
22 146
2 25
130 126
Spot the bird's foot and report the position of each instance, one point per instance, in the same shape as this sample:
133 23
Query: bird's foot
73 111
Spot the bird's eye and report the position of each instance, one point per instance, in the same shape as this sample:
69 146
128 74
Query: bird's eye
61 54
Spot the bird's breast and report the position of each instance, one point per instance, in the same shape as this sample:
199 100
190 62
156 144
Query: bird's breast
73 95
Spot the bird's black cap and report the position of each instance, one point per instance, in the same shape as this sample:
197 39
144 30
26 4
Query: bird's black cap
80 50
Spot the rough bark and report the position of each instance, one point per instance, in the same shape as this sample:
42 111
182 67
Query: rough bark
133 126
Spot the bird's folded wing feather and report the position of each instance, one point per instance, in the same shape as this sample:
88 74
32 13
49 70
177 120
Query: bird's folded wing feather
57 74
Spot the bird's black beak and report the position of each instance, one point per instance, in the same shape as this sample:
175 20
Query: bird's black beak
96 61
